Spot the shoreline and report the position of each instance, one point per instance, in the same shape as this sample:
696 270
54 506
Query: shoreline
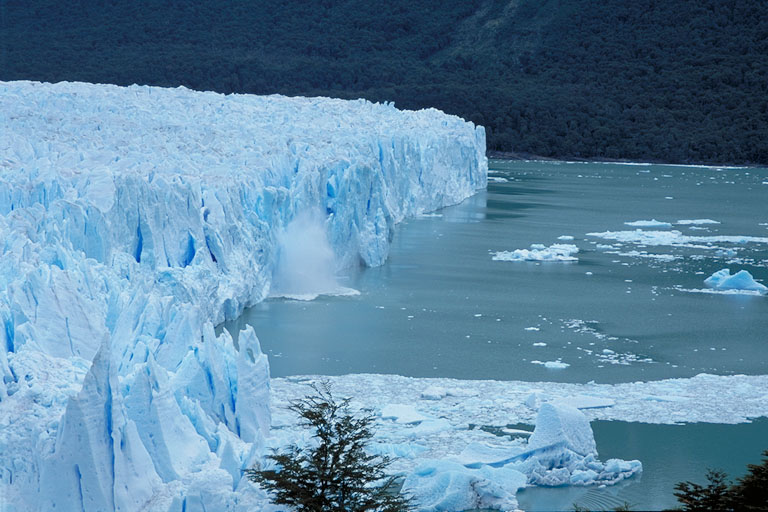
515 156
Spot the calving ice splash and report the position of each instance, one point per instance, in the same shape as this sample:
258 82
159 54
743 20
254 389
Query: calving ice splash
306 264
135 219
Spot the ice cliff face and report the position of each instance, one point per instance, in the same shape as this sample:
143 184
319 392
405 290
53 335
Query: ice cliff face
134 219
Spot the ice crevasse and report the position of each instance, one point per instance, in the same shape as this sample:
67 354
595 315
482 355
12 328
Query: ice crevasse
134 219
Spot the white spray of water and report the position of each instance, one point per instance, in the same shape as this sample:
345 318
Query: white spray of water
306 266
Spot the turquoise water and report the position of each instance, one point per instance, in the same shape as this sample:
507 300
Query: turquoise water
670 454
442 307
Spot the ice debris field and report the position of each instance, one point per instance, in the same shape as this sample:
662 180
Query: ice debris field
452 438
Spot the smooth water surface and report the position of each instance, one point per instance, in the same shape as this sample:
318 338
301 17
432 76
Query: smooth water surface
441 307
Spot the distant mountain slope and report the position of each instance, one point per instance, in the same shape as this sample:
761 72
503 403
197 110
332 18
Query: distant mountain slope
673 80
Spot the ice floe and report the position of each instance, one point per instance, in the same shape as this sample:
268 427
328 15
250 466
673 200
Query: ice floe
675 238
653 223
696 222
539 252
553 365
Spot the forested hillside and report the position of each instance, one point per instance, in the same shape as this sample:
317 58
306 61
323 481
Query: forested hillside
669 80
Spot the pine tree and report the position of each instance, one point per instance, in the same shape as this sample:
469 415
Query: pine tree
717 495
749 493
335 474
751 490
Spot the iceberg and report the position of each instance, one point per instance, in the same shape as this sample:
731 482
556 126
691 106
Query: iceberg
135 219
741 280
560 451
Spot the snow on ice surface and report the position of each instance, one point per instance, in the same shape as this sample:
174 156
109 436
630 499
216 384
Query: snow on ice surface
539 252
134 219
741 280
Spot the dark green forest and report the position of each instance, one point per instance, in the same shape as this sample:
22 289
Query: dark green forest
664 80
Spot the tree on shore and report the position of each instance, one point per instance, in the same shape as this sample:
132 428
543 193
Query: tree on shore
750 492
334 474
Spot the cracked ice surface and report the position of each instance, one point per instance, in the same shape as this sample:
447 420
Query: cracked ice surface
132 220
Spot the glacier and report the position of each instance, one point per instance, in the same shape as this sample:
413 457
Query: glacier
133 220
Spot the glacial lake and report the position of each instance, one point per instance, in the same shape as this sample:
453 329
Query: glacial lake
627 310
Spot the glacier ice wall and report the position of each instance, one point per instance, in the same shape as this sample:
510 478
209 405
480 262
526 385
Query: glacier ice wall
134 219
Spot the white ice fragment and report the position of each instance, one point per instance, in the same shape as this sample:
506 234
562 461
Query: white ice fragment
675 238
555 365
742 280
696 222
653 223
539 252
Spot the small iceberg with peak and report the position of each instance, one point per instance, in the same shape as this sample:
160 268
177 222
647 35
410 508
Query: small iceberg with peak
742 280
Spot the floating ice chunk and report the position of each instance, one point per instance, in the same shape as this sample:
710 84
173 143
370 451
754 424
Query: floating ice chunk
539 252
532 329
674 237
440 485
644 254
742 280
559 424
726 253
562 451
554 365
402 413
653 223
565 237
696 222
